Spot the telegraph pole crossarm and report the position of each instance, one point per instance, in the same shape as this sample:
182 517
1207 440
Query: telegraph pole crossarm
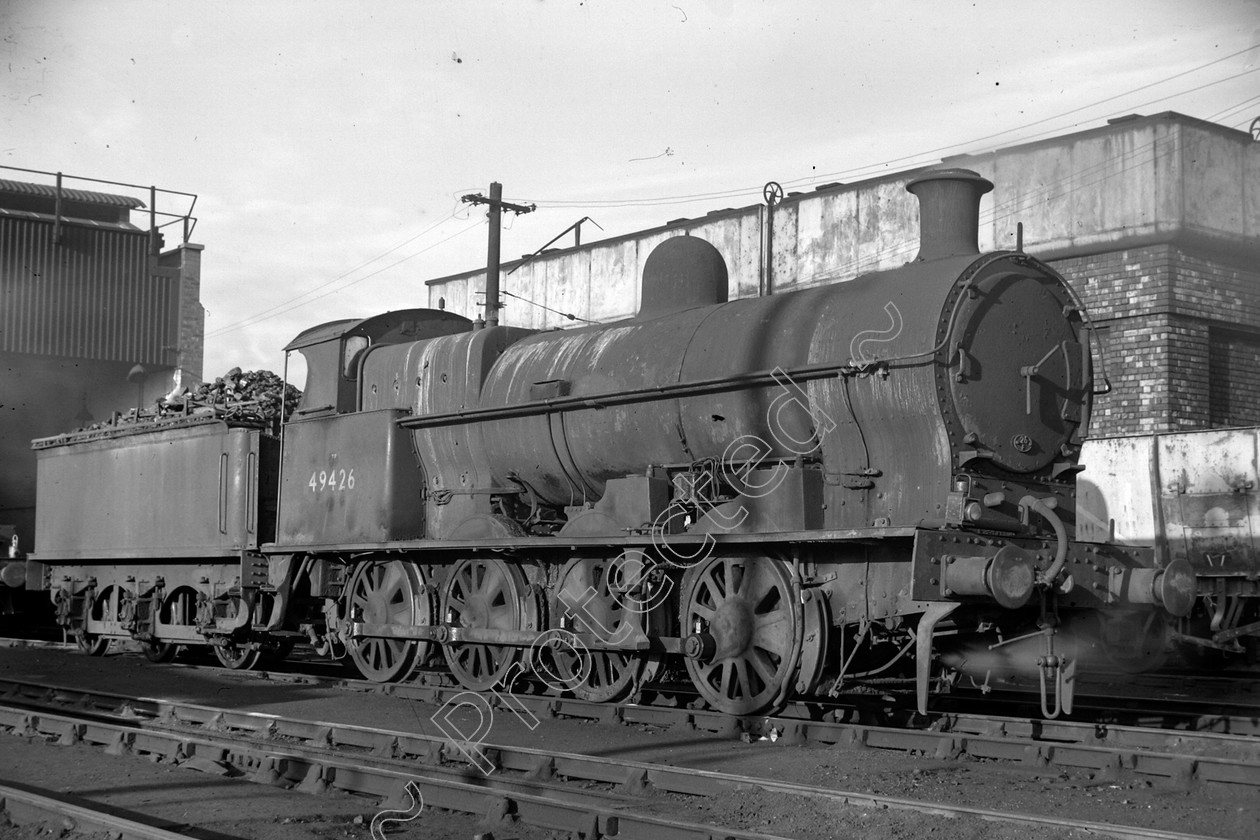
497 206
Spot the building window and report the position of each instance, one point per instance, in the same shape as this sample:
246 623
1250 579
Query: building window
1233 378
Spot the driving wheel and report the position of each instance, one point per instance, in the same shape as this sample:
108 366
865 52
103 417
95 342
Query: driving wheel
742 629
590 601
485 594
390 593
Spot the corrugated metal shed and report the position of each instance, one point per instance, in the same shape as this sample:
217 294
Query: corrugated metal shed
86 196
94 295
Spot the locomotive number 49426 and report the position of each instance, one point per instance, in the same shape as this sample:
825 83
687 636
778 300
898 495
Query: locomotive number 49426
331 481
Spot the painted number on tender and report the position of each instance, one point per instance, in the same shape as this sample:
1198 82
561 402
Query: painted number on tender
331 481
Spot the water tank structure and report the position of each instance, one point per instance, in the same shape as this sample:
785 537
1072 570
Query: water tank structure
96 316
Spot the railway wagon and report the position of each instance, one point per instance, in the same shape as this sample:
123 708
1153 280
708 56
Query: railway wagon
811 493
1191 497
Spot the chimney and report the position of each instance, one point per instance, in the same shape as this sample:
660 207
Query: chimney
949 211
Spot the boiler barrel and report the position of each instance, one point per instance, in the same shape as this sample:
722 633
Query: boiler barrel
567 456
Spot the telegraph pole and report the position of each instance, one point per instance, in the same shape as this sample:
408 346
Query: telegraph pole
497 206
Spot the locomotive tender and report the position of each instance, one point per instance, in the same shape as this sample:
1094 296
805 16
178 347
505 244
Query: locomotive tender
800 494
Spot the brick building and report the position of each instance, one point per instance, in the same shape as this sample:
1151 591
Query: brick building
94 317
1155 220
1181 322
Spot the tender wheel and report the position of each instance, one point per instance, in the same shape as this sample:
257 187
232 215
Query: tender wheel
104 608
91 644
590 601
743 628
1134 642
387 592
179 609
485 594
237 657
159 652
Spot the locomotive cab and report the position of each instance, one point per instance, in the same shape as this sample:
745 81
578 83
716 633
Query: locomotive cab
334 353
350 475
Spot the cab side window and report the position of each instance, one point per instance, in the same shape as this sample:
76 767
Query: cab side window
354 345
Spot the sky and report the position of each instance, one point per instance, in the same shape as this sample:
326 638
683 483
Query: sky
329 143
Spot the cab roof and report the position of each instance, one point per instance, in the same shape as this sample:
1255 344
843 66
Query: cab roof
388 328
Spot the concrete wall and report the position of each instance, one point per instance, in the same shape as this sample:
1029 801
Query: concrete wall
1155 220
1159 178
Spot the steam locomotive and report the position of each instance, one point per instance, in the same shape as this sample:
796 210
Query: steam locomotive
803 494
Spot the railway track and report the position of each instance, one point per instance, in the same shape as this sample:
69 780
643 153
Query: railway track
24 804
1099 710
1220 703
558 791
1227 703
1209 747
1184 756
315 758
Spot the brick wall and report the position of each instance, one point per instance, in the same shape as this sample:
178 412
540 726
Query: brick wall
191 341
1159 309
1234 365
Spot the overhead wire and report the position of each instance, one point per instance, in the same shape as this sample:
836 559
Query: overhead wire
568 315
885 164
1057 190
1108 168
1231 111
257 315
1051 131
281 309
1111 167
297 302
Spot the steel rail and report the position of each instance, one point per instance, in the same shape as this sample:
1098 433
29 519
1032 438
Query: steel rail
1222 714
1182 756
1229 745
316 770
1206 720
37 643
25 804
393 746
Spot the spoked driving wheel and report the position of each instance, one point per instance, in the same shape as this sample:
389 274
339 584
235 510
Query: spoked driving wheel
390 593
744 626
485 594
590 601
